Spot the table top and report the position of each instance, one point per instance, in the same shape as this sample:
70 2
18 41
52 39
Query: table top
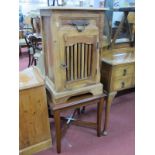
119 57
30 77
76 100
73 8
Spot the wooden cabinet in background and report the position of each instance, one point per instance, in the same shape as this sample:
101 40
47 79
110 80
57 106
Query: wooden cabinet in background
34 134
71 41
117 73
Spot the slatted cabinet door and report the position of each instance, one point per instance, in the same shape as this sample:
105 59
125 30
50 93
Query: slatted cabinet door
79 55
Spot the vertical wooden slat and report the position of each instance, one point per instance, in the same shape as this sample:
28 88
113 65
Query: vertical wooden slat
79 61
91 61
67 63
82 61
89 58
75 61
79 58
71 61
86 60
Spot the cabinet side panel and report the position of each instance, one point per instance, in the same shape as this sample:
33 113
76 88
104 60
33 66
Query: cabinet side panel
47 47
33 117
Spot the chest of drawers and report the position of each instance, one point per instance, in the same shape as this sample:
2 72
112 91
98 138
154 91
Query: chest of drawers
117 77
117 73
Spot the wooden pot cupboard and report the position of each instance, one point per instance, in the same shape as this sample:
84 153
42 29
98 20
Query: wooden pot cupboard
72 38
34 127
117 73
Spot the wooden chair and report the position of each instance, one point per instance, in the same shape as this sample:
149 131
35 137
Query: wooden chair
76 103
35 23
34 45
25 30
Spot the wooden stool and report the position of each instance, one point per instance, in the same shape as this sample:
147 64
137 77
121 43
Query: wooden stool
76 103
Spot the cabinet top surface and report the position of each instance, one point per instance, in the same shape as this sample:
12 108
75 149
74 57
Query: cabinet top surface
116 58
29 78
61 8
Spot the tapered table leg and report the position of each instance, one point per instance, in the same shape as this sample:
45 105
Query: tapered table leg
99 116
58 130
107 112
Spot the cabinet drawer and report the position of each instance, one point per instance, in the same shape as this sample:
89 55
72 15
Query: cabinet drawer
118 84
123 71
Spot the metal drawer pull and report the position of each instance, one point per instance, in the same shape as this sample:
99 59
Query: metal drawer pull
122 84
124 72
80 24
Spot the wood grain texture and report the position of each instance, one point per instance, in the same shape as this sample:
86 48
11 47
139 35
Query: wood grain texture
36 148
117 73
74 55
74 103
33 119
59 97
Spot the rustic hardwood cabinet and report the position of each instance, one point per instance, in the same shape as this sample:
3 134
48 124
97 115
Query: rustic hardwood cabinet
34 128
72 38
117 73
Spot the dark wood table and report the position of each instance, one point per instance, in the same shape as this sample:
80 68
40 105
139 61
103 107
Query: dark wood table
76 103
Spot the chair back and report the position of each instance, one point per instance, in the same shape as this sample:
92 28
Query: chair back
35 23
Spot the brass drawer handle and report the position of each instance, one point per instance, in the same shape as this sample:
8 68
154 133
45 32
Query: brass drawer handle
124 72
122 84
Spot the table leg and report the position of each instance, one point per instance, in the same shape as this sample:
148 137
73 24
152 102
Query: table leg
99 116
58 130
107 112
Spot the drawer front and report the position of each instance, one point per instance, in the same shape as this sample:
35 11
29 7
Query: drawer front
123 83
123 71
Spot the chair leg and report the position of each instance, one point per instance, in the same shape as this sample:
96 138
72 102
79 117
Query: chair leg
20 52
32 61
29 58
35 62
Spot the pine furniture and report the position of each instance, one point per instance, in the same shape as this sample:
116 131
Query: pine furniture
34 128
117 73
74 103
72 38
